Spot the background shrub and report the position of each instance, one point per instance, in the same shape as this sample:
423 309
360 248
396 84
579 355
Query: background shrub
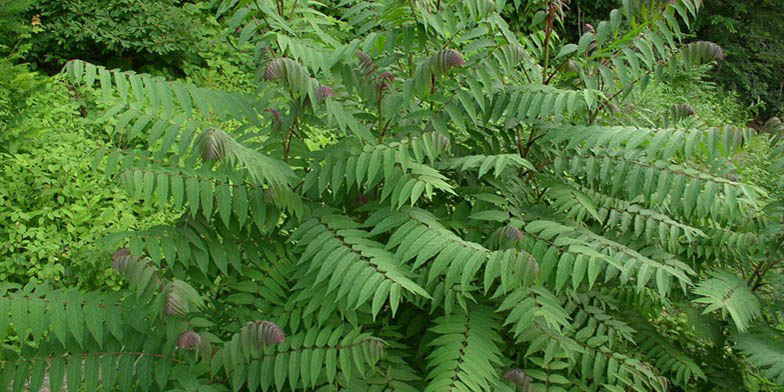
125 33
54 207
750 33
14 29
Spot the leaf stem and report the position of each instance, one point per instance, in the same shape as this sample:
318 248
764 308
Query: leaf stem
595 114
548 32
378 112
519 142
755 281
555 71
532 138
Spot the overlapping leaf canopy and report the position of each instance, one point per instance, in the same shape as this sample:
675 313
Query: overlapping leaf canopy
476 209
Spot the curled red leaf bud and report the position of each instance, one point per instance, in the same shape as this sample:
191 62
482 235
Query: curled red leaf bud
211 145
189 340
386 78
175 304
513 233
174 307
517 376
120 259
365 63
269 333
274 69
271 72
324 92
275 116
362 56
454 58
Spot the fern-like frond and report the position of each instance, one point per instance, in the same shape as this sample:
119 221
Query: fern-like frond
177 136
592 316
163 97
659 143
410 199
652 226
527 306
727 243
567 254
538 102
64 316
665 355
229 196
729 293
418 235
338 250
596 342
485 164
123 371
639 39
188 246
465 352
689 192
303 360
764 348
399 165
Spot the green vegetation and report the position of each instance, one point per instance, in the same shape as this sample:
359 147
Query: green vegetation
445 195
53 207
119 32
749 33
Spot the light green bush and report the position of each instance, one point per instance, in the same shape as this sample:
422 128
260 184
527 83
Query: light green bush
54 207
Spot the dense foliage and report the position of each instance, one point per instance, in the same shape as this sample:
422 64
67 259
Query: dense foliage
53 208
120 32
420 197
749 33
16 82
747 30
